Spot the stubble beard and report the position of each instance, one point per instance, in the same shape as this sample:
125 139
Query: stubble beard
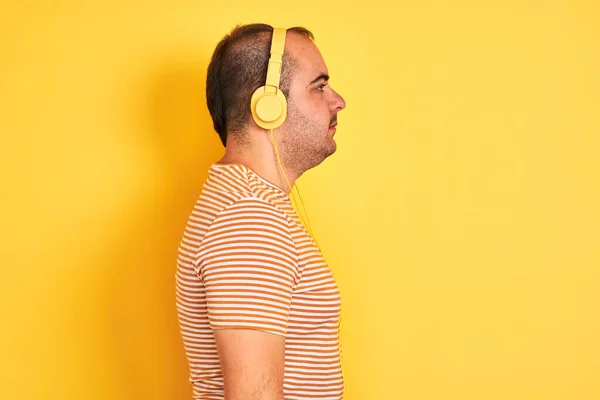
305 144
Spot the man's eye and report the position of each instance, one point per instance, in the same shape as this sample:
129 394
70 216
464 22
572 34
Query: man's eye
321 86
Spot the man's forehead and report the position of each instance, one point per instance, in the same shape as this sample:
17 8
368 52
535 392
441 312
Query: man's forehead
306 54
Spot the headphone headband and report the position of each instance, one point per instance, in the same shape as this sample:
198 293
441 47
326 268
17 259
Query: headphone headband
275 61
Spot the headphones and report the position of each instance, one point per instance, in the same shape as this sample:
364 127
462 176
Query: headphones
268 103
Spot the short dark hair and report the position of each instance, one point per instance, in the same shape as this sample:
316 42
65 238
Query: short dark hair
237 68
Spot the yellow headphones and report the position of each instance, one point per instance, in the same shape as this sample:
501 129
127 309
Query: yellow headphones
268 103
269 107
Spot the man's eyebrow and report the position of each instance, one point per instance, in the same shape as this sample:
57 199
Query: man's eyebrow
324 77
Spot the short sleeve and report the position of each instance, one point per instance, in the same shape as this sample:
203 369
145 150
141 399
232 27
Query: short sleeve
249 265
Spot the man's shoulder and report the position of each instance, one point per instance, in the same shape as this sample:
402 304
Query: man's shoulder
234 191
245 225
252 210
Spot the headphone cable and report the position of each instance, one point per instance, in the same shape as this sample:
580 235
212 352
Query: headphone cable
306 225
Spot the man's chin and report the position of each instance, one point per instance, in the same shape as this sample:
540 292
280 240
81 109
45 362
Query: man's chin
331 148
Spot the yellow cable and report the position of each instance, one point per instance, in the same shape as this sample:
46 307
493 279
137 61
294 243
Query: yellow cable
307 225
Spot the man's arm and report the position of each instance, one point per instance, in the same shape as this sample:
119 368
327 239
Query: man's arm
252 363
249 266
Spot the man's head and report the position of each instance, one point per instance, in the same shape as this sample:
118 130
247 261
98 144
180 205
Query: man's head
239 66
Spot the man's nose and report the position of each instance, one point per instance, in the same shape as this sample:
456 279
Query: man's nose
339 103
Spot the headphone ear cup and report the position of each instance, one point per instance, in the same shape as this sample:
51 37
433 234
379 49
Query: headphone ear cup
269 110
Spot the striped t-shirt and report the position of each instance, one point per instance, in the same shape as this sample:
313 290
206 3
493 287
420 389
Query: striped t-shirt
246 261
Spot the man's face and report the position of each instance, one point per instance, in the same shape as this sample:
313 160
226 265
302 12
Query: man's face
307 133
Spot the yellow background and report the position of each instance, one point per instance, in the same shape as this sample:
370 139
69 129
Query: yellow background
460 213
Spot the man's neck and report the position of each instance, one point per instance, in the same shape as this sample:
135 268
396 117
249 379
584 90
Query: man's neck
263 162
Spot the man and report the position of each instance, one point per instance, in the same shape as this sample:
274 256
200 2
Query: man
258 306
